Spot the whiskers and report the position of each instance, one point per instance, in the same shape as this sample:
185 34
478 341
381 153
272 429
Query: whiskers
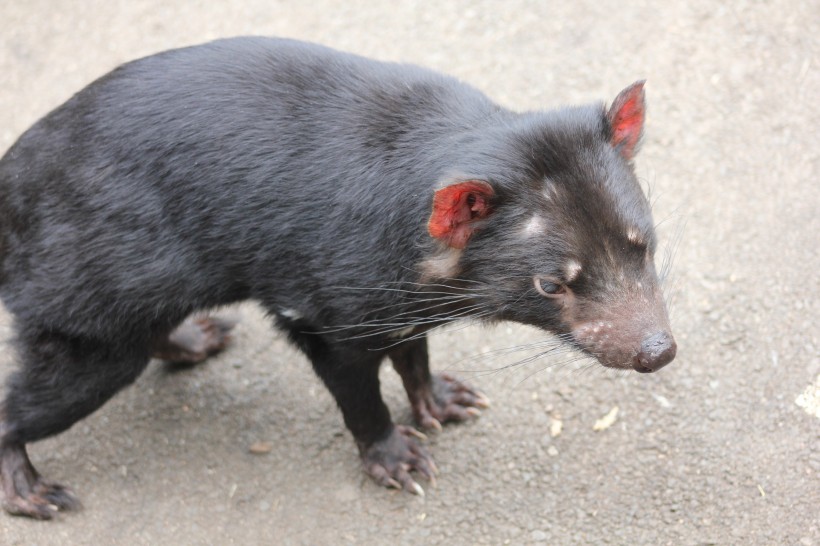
407 311
525 360
665 274
410 309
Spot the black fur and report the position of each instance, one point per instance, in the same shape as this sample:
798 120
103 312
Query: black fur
302 178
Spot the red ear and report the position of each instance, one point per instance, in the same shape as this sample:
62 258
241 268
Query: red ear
456 207
626 117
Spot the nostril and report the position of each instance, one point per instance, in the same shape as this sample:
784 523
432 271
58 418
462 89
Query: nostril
657 351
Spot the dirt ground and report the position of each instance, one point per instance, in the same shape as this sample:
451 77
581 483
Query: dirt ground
721 447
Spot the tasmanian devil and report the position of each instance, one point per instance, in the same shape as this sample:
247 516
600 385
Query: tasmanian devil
359 202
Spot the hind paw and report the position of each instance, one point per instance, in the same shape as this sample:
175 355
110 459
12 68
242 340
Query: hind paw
195 340
43 501
24 490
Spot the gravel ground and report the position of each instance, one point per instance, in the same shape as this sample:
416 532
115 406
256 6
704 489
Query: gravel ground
721 447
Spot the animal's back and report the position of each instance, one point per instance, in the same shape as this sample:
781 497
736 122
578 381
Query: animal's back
193 178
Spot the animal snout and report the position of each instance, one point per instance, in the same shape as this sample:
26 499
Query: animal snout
657 351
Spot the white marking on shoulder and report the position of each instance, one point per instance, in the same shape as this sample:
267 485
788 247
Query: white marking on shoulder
534 226
572 270
291 314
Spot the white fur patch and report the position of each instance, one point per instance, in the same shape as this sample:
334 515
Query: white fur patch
634 236
443 265
572 270
534 226
291 314
548 192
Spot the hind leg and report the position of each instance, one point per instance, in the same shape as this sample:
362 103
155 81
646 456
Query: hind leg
194 340
61 380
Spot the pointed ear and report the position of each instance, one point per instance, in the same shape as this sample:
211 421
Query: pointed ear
626 117
456 208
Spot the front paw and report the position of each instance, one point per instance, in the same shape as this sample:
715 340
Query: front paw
390 460
448 399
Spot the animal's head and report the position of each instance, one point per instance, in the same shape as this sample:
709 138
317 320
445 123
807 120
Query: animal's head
556 227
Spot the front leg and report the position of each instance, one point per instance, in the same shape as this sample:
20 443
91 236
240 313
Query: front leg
389 452
434 399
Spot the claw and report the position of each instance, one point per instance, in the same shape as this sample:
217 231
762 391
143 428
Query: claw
418 434
416 489
482 401
432 423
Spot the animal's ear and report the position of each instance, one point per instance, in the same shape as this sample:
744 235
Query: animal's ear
626 117
457 208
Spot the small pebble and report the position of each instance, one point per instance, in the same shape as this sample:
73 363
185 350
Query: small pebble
260 448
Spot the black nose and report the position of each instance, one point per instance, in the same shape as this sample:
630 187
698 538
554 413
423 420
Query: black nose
657 351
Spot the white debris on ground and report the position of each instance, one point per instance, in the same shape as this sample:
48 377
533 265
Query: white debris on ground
606 421
556 426
809 399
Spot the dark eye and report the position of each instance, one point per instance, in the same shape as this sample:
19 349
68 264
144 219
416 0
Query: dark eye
549 286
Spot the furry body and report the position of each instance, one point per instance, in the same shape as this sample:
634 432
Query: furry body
304 178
